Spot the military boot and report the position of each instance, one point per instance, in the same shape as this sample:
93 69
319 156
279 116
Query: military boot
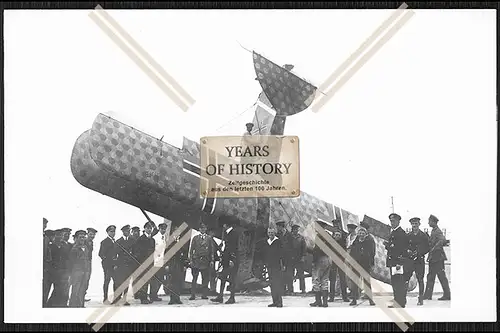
324 295
318 299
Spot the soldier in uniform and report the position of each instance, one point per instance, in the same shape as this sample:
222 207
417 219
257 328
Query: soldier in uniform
397 249
177 271
125 262
48 276
299 251
436 261
351 236
274 262
320 275
59 265
337 235
136 233
134 236
79 264
66 248
143 250
107 253
89 242
287 244
202 260
230 263
417 249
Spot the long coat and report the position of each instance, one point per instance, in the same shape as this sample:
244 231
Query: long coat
397 247
107 252
124 251
143 249
363 252
287 241
202 252
437 241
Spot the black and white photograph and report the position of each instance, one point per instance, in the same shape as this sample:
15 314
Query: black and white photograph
393 116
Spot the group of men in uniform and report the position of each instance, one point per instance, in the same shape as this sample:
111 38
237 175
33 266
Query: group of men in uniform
66 266
405 256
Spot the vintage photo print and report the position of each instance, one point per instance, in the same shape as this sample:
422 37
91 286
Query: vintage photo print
250 166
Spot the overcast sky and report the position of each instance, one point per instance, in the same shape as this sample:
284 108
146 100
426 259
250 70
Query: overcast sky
417 122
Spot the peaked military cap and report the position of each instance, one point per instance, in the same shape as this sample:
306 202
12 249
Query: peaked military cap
125 227
397 216
280 223
59 231
164 225
433 218
49 233
295 226
414 219
350 224
111 228
91 230
249 124
66 229
136 228
80 232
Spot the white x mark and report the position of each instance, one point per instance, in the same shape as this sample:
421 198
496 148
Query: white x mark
142 59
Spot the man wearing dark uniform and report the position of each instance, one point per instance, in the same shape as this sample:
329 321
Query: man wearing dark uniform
136 233
177 271
202 260
334 269
66 248
436 261
143 250
59 265
79 264
275 266
417 249
107 253
287 244
397 250
299 250
134 236
230 263
89 242
125 261
48 275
